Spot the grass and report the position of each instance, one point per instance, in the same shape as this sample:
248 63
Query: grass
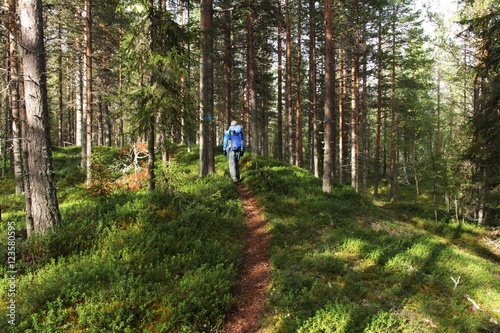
125 260
342 264
128 261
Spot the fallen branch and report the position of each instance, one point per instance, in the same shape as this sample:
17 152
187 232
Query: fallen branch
474 304
457 281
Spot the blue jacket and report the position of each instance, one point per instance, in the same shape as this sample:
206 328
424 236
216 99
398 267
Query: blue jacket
237 140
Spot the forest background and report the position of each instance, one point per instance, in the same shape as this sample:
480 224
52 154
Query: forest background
356 91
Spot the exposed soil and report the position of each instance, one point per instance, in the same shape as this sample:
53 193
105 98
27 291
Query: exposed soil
254 276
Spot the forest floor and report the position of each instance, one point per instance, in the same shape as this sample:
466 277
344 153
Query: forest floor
253 280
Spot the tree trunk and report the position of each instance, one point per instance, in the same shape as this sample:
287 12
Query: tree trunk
379 112
207 161
313 115
88 89
364 125
13 78
151 155
329 97
70 108
288 86
436 159
355 120
342 114
279 144
481 190
44 205
392 193
227 67
253 139
60 111
79 100
355 103
299 160
30 224
6 131
415 170
265 126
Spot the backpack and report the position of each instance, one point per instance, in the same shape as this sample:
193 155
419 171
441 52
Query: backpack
236 137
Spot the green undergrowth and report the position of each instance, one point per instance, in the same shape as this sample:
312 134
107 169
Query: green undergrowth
126 261
342 264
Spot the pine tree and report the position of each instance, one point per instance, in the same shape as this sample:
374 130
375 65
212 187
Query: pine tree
44 207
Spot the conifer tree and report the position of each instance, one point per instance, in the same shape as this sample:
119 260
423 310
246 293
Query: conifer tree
44 207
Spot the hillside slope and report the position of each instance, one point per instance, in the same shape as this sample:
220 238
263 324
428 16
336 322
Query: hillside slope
342 264
125 260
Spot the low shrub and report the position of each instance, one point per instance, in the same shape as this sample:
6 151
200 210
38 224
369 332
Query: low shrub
341 264
132 261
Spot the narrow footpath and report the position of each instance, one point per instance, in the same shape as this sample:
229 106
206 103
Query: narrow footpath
253 280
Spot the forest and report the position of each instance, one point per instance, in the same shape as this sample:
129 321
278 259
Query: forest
373 146
356 92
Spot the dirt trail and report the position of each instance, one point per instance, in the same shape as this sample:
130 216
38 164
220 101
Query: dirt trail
254 277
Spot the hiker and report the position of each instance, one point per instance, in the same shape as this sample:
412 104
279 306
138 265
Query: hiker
234 148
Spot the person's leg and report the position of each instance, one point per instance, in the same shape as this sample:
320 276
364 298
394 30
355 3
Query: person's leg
237 165
233 165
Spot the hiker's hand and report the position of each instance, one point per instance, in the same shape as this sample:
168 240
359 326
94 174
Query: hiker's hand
242 153
225 153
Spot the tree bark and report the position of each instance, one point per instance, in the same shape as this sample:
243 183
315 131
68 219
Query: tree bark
342 135
79 98
151 155
313 115
279 144
288 86
207 162
88 89
299 160
227 67
379 112
60 111
355 104
44 204
355 121
13 81
437 159
253 139
392 191
364 125
4 106
329 97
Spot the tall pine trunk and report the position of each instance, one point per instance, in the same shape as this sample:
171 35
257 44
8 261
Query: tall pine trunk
227 67
88 89
207 161
342 128
379 112
279 144
437 159
355 120
44 205
151 155
298 103
60 85
288 86
355 103
364 125
79 119
392 192
15 108
313 98
329 97
253 138
4 106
